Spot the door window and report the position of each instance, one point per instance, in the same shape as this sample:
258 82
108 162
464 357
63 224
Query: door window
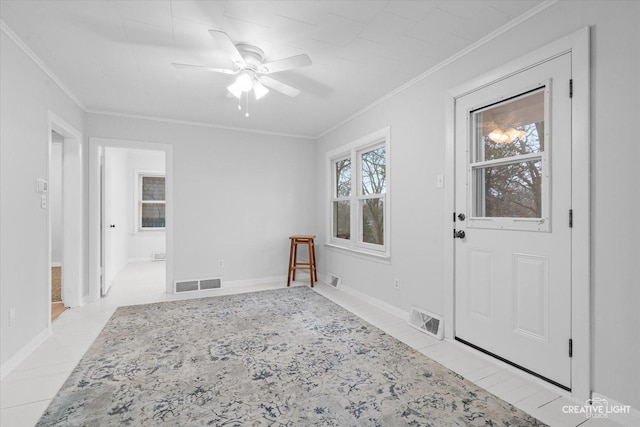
508 163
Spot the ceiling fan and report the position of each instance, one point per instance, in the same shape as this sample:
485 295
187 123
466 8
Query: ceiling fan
253 71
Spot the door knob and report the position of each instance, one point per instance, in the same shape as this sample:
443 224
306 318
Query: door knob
458 234
461 216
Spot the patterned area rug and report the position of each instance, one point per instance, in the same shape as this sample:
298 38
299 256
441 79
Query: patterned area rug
286 357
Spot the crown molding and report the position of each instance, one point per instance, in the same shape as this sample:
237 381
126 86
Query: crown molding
36 60
486 39
201 124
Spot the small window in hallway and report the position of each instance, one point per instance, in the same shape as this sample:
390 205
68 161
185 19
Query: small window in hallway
151 202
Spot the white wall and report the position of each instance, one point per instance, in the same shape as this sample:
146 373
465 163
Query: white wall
416 117
55 200
142 244
238 196
27 95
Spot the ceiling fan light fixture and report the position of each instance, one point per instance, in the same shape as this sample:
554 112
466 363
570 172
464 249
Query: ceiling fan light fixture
259 89
235 90
243 83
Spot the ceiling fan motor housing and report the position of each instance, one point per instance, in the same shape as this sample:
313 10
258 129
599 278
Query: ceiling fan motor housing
252 55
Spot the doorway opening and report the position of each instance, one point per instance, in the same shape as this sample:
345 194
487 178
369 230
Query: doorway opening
62 196
133 219
130 216
56 166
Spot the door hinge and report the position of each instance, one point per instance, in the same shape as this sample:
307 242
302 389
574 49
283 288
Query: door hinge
570 218
454 217
570 88
570 347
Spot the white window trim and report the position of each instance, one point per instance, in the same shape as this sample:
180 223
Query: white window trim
137 200
379 138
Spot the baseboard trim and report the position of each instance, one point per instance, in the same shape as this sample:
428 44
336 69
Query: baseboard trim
15 360
404 315
56 264
250 282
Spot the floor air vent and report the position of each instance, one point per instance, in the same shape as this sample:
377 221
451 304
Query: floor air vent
334 280
198 285
427 322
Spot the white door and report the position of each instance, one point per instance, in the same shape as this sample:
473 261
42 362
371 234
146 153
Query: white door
513 201
106 218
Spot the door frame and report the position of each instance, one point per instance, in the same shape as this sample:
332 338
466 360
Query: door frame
95 207
577 44
72 212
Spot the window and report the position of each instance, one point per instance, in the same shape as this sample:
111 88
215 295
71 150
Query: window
509 164
359 195
151 202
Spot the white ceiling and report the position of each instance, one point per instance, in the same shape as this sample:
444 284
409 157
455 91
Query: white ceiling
115 56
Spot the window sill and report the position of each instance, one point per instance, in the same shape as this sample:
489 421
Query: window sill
150 231
359 253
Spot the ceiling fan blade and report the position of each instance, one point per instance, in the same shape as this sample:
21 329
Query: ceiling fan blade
226 45
204 68
285 64
279 86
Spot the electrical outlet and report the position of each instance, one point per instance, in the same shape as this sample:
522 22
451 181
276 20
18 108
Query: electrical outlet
221 263
396 284
12 316
43 201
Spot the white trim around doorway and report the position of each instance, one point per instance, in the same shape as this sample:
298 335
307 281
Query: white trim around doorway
577 44
72 215
94 207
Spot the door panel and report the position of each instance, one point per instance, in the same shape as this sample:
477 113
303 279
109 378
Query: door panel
481 279
513 183
531 290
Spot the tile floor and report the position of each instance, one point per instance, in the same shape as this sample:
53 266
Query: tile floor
26 392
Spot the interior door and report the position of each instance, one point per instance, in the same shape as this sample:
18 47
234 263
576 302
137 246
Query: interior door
512 220
107 246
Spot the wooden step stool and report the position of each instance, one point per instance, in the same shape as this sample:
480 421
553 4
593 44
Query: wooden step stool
293 259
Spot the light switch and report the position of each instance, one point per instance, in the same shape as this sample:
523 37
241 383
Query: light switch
42 186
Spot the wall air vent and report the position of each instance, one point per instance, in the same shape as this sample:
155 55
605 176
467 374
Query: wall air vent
210 284
187 286
158 256
426 322
335 281
198 285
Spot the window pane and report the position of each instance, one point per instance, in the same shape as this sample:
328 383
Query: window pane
342 219
512 128
374 172
343 178
513 190
153 215
152 188
373 221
